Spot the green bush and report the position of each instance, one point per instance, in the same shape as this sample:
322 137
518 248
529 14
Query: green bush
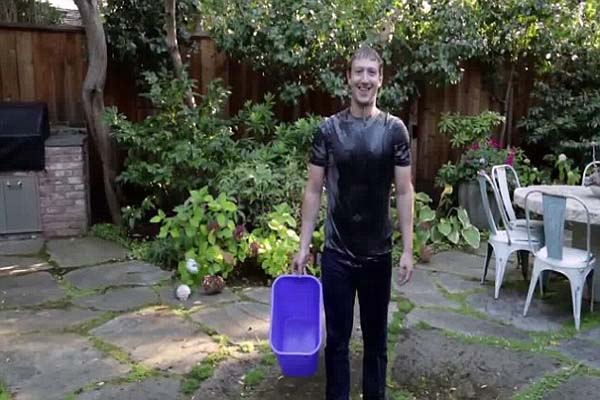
175 150
204 229
279 243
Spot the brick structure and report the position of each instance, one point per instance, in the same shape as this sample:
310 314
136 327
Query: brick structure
64 192
63 187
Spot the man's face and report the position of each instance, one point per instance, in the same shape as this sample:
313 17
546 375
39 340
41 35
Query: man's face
364 80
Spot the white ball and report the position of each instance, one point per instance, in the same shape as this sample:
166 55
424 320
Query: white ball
183 292
192 266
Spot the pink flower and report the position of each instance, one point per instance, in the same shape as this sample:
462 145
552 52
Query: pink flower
474 146
494 143
510 157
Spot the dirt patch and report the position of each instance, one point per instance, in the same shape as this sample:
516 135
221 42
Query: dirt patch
434 366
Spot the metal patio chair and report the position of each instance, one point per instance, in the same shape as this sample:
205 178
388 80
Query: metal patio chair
502 242
575 264
594 165
500 177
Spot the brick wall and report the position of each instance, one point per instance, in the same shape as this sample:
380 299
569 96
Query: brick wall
63 187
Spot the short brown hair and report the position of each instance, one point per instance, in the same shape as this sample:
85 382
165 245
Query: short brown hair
368 52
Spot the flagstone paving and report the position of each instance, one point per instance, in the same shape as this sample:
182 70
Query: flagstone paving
15 265
76 252
21 247
95 326
29 290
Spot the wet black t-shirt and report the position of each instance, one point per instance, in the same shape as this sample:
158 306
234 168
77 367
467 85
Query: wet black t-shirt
359 156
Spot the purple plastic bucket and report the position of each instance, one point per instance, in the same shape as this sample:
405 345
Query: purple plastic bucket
296 323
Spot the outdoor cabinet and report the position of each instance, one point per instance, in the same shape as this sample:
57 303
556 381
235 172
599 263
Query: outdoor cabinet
19 204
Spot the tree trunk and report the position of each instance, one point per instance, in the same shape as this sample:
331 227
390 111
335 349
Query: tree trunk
93 101
173 47
505 136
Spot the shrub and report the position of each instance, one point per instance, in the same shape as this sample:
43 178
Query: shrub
203 229
175 150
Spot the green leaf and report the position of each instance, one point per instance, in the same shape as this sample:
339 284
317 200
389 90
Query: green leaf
463 216
426 214
444 227
221 220
471 236
454 237
422 197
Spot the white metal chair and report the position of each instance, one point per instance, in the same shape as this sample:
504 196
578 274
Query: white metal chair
502 243
588 169
500 177
577 265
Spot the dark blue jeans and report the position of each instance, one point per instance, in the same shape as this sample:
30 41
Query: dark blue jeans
343 277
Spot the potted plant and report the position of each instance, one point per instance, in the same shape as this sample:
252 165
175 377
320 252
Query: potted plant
472 135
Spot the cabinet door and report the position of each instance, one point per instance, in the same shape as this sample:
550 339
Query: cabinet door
2 206
21 204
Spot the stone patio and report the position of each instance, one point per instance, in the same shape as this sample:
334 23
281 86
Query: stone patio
81 321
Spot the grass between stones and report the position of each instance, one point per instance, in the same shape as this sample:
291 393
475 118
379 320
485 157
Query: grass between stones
84 328
395 328
253 377
202 371
111 350
4 393
551 381
73 292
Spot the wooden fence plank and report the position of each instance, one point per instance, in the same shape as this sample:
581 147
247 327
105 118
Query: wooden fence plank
42 72
9 67
58 72
24 42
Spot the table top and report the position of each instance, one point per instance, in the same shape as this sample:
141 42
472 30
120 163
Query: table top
575 212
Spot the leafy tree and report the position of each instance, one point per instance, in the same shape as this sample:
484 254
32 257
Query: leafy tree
29 11
134 31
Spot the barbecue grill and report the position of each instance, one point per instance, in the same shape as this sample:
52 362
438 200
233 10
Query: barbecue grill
23 129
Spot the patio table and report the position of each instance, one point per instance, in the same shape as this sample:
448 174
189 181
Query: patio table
574 213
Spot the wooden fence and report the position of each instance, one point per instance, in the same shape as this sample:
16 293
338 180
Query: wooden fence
48 64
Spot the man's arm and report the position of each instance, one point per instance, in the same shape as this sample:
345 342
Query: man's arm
310 210
404 205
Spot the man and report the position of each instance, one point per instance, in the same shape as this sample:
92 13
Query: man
358 152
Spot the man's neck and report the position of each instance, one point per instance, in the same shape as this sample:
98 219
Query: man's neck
367 111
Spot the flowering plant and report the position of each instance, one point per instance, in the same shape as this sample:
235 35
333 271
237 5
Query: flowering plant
481 154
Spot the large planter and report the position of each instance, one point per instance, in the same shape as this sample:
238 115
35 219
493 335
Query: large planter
469 198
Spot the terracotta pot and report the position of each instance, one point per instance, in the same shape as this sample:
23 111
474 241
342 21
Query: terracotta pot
213 284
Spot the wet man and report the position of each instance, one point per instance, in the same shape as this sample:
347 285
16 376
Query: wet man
358 153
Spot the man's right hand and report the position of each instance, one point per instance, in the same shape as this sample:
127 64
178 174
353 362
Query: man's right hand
299 262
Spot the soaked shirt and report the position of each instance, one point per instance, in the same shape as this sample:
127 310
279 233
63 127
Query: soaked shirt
359 156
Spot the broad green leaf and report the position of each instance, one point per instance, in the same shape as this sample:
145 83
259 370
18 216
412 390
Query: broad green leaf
463 216
426 214
221 220
454 237
422 197
190 231
444 227
471 236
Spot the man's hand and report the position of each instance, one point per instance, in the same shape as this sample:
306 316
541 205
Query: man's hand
406 267
299 262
